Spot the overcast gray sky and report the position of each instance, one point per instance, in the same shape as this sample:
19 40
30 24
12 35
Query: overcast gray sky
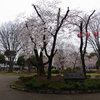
10 9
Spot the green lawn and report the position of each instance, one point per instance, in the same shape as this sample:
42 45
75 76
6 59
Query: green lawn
32 74
17 73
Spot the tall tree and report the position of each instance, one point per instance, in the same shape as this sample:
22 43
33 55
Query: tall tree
53 31
83 45
10 42
80 23
37 30
38 53
54 35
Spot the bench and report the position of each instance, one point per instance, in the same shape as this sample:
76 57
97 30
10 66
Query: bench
74 77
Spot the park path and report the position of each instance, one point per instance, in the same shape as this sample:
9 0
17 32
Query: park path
6 93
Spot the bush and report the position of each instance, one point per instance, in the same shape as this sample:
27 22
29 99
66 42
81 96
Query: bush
67 87
79 86
54 71
44 85
32 84
92 84
86 85
52 87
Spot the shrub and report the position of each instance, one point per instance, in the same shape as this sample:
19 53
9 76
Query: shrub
79 86
32 84
91 84
44 85
67 87
54 71
52 87
86 85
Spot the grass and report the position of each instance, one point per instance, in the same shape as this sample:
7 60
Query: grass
18 73
93 74
24 74
88 74
32 74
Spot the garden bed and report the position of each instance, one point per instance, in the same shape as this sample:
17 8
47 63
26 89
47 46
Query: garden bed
57 85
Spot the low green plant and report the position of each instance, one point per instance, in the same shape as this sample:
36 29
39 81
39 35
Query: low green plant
86 85
32 84
44 85
52 87
67 87
79 86
54 71
92 84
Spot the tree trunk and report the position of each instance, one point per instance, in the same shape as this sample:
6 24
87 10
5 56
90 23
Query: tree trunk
41 71
40 67
49 69
40 64
82 53
29 68
62 67
10 64
10 67
83 65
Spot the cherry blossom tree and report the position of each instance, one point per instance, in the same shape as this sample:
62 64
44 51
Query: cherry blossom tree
80 23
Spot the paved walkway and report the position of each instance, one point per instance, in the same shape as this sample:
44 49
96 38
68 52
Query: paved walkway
6 93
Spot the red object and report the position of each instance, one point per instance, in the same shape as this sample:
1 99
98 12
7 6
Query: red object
87 34
79 35
96 33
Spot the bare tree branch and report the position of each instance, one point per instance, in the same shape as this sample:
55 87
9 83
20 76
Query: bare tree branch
58 18
38 14
86 28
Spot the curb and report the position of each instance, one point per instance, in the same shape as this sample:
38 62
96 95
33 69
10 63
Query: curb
56 91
